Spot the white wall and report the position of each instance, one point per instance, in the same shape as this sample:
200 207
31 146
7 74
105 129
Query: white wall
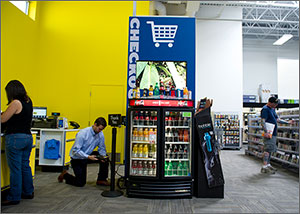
219 73
260 63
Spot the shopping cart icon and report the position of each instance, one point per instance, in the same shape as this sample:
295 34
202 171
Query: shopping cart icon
163 33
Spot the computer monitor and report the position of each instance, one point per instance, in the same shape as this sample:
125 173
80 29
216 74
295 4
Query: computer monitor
39 112
152 72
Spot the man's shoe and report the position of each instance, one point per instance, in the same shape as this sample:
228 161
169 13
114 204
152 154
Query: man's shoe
103 183
272 168
7 203
28 196
267 170
61 176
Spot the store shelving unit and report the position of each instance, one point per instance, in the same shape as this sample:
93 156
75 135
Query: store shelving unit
287 139
229 123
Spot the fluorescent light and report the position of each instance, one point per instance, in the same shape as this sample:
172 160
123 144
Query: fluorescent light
283 39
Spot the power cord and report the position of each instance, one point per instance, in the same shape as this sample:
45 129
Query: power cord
121 182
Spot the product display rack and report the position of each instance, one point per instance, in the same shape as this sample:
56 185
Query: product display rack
287 139
229 123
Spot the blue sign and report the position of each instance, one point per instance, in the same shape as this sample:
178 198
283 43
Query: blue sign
161 39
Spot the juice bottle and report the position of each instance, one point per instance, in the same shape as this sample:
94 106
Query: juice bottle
151 91
185 93
145 151
186 135
151 136
135 134
156 90
135 151
140 151
141 134
146 135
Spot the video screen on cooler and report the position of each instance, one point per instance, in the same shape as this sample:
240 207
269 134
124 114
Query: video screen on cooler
39 112
152 72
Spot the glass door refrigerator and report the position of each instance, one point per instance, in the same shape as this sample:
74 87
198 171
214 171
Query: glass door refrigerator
159 148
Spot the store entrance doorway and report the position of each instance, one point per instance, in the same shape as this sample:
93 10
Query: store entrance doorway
104 100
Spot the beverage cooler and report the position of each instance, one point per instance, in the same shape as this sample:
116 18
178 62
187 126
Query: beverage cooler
159 148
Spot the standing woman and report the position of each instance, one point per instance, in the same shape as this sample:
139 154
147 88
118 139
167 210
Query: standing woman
18 142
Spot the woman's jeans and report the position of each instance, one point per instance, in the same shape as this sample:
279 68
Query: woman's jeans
18 148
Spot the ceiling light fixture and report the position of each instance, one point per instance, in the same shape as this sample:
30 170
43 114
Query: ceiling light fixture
283 39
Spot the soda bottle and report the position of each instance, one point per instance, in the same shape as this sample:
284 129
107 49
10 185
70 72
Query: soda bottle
135 116
185 168
170 120
134 168
173 91
140 168
151 136
167 89
166 150
170 168
141 118
166 121
180 169
145 168
151 118
175 135
168 135
176 118
150 169
140 151
135 134
166 168
162 89
154 168
156 90
175 152
145 151
185 152
175 165
153 151
186 135
180 135
185 93
180 152
135 151
146 121
169 152
146 135
155 118
151 91
141 135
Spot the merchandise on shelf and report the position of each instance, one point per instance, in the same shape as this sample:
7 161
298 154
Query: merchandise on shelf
230 125
287 138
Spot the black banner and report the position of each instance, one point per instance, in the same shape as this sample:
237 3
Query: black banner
209 148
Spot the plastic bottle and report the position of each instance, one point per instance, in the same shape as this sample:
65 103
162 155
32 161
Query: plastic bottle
151 118
151 91
146 135
173 91
175 152
180 169
169 152
134 93
155 118
150 151
151 136
175 165
166 150
145 168
168 90
156 90
186 135
141 134
166 168
162 89
135 134
138 93
150 169
154 168
185 152
145 151
180 135
145 92
141 118
170 168
185 93
135 116
134 168
147 118
180 152
153 151
140 168
140 151
135 151
185 168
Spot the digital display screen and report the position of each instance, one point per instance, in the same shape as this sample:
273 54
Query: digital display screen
39 112
152 72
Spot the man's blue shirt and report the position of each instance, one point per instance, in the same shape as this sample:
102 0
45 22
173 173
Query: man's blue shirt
270 116
86 141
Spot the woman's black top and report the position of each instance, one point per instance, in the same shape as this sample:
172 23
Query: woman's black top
20 123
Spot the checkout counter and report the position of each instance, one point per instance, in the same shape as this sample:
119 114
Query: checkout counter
5 180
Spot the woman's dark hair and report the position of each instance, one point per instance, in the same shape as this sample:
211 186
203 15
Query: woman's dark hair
101 121
15 90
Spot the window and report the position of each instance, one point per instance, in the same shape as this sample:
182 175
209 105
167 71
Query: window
22 5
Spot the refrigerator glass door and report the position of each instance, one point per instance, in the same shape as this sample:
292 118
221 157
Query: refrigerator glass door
143 143
178 143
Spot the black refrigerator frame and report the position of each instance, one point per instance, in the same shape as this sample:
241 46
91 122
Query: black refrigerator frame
159 186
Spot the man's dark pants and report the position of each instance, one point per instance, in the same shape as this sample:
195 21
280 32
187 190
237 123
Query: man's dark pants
80 170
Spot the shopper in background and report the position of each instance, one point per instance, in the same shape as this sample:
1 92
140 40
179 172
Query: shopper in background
82 153
268 115
18 142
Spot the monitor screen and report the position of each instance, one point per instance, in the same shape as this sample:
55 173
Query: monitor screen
39 112
152 72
